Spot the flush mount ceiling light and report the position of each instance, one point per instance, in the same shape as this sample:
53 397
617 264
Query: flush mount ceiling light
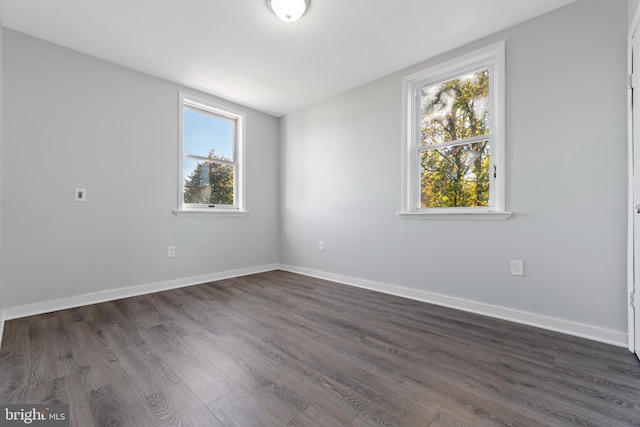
288 10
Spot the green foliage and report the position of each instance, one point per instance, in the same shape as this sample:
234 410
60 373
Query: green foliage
210 183
455 175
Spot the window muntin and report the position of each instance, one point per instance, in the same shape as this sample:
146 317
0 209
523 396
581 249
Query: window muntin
211 140
454 159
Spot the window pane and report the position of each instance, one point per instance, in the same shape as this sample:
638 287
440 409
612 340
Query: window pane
455 176
207 134
208 183
455 109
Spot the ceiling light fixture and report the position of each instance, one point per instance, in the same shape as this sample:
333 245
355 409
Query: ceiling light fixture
288 10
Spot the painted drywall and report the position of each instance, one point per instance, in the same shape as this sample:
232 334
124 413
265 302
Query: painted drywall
566 152
74 121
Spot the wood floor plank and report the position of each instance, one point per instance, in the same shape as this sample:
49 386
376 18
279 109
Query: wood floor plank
254 376
410 402
314 391
458 415
204 379
239 409
47 336
93 356
554 387
281 349
63 391
146 369
179 407
351 401
119 404
14 378
320 416
16 336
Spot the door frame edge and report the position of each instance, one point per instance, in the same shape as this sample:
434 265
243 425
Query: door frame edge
630 187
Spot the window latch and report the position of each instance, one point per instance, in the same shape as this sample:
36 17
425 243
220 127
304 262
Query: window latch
495 171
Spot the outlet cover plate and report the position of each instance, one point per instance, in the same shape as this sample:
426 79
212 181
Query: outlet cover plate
517 267
80 195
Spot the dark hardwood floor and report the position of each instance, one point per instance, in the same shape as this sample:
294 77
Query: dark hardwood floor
280 349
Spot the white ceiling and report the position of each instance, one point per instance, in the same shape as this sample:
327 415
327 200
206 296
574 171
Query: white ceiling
239 50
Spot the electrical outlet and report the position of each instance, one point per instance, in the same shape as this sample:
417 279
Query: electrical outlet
517 267
81 195
171 251
321 246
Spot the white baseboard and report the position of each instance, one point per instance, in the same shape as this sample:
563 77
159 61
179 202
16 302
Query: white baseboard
593 333
558 325
110 295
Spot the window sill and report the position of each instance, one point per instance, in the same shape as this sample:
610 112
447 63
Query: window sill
457 216
210 212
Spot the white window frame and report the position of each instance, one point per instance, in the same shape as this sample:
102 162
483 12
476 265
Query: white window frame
492 57
239 206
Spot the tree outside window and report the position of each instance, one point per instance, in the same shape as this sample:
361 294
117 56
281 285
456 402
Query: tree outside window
211 147
454 158
454 165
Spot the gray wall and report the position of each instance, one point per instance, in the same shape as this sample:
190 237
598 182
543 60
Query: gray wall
76 121
566 142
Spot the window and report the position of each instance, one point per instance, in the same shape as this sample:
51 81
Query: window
211 166
454 156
